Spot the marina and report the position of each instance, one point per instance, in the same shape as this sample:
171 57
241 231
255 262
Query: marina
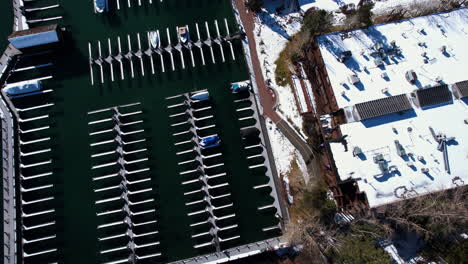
129 139
154 47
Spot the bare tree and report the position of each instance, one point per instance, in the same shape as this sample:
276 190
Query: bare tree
439 213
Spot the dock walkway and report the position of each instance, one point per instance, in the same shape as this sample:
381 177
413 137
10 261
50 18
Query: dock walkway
8 166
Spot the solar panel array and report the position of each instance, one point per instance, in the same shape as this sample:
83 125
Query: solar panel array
434 95
384 106
462 88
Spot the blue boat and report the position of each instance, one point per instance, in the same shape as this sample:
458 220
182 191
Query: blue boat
100 6
201 96
240 86
209 142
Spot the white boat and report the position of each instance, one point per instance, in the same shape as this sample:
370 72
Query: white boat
100 5
184 34
238 87
154 39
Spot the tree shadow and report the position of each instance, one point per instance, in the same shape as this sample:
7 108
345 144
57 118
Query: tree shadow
268 20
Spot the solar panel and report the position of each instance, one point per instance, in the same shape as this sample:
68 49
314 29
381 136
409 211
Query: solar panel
462 88
384 106
434 95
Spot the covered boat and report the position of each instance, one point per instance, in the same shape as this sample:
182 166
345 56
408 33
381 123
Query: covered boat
154 39
184 34
238 87
100 5
22 88
200 96
210 141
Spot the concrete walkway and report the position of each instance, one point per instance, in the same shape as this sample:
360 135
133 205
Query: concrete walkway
267 96
8 167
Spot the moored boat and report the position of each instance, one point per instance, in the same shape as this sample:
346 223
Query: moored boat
210 141
200 96
184 34
100 5
154 39
238 87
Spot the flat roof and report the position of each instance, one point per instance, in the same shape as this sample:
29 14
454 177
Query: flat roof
397 155
445 29
411 129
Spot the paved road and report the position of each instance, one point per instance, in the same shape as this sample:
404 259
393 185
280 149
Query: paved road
267 96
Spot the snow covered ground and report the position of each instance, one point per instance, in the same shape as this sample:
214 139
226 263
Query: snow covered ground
284 152
329 5
272 32
380 6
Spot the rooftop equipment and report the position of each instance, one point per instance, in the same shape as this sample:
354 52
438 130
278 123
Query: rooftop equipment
380 160
357 151
400 149
378 62
411 76
353 78
345 55
442 139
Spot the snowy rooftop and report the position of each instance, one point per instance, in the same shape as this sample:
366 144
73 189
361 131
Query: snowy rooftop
405 173
448 29
400 156
329 5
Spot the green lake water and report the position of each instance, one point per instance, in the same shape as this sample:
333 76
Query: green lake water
74 97
6 26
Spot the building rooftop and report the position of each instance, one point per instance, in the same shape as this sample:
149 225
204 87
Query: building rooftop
406 172
329 5
441 38
402 139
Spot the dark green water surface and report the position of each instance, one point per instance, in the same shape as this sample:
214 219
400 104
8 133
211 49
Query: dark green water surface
74 96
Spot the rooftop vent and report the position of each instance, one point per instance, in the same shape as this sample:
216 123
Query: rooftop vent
400 149
383 165
357 151
411 76
378 62
353 78
345 55
378 46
